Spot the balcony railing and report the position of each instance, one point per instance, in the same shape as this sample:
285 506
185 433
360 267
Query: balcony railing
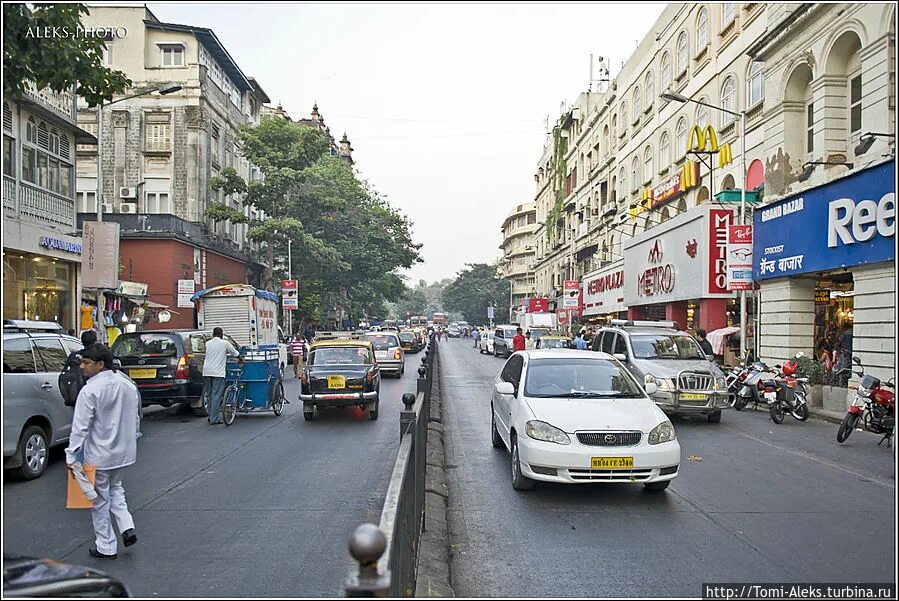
9 195
62 103
43 206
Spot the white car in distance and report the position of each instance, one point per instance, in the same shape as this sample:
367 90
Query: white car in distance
580 417
485 343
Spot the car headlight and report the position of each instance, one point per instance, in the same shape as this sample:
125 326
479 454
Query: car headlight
720 384
662 383
542 431
664 432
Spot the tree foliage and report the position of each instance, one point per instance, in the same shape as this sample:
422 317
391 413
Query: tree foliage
477 287
68 57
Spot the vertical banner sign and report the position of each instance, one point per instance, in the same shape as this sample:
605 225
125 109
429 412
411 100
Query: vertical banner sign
739 257
289 298
100 258
562 316
719 222
572 294
489 312
186 289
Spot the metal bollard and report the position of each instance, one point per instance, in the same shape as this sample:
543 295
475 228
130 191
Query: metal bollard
422 371
407 416
367 545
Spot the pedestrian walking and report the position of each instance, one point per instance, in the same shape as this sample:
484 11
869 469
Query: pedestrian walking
105 429
298 351
529 343
477 336
446 335
704 344
579 342
217 352
518 341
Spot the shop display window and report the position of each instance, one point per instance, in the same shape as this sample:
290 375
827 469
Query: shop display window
38 288
834 316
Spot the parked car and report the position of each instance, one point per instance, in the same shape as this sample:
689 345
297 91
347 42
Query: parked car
548 341
502 340
341 373
485 343
166 365
388 352
580 417
410 341
687 380
35 417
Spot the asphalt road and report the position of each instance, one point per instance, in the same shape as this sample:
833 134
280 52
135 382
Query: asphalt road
264 507
756 502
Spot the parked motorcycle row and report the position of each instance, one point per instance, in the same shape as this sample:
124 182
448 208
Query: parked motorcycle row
785 394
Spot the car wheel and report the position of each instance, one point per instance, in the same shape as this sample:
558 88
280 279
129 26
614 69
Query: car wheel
715 417
203 409
373 414
519 480
308 411
656 486
495 438
33 451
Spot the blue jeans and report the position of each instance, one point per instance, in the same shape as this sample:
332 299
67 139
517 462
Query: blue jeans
214 390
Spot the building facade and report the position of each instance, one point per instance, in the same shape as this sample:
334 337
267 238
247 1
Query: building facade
517 262
41 252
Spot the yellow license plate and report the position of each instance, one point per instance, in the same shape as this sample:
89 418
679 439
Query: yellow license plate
612 463
687 396
336 381
142 374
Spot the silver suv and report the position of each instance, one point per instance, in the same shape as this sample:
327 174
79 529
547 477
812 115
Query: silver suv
687 380
35 417
502 340
388 351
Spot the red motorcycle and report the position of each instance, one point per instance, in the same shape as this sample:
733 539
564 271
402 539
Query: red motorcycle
873 405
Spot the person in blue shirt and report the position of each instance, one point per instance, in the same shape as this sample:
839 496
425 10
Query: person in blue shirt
579 342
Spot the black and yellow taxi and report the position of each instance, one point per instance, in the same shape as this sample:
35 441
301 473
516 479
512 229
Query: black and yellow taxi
340 373
551 341
409 341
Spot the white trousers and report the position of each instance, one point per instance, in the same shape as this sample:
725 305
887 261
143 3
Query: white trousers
110 501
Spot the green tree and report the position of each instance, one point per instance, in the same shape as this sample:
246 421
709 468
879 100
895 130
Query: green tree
56 62
477 287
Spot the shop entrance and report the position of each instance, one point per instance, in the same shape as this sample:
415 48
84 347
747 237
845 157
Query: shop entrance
834 315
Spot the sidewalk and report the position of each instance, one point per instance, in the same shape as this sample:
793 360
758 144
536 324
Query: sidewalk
835 417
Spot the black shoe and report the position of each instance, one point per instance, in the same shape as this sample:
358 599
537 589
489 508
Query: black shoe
94 553
129 537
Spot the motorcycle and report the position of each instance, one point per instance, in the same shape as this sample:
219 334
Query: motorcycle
790 394
873 405
750 385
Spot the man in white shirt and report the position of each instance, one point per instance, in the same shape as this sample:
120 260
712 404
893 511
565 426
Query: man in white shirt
105 427
217 352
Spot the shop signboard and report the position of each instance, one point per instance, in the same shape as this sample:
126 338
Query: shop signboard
822 296
100 255
604 290
682 259
186 289
739 257
563 317
289 299
571 299
847 222
538 305
490 313
132 289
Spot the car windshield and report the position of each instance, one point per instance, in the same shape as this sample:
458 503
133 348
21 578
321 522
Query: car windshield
579 378
350 355
407 336
554 343
662 346
382 342
145 345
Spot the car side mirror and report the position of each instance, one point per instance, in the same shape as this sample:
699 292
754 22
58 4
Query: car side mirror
856 360
505 388
710 357
620 356
116 365
651 388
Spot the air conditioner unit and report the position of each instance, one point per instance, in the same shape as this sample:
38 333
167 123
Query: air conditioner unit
125 192
108 207
129 208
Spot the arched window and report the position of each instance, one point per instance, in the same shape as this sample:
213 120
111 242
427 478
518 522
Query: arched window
635 174
702 113
728 183
665 151
666 72
649 91
31 130
755 89
665 216
683 49
615 125
623 119
702 30
728 100
605 141
613 193
681 205
54 141
728 13
680 138
638 106
647 164
622 184
702 196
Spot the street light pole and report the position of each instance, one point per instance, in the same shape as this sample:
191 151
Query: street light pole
290 277
511 302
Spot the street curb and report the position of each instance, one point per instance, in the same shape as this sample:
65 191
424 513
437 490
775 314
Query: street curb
432 574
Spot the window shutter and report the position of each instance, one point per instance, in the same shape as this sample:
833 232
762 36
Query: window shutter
7 117
43 136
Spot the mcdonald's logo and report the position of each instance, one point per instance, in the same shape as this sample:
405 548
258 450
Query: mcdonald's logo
725 155
702 140
689 175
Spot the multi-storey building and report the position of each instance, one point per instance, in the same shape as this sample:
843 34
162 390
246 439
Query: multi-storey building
41 254
517 261
161 152
629 187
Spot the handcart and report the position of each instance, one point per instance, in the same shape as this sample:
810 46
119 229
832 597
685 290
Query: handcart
253 386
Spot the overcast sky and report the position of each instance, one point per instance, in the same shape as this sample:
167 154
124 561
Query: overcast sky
444 104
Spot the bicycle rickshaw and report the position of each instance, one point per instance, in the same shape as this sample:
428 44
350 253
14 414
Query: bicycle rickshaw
254 386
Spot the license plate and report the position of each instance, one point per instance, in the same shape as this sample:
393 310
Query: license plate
689 396
142 374
336 381
612 463
381 355
770 396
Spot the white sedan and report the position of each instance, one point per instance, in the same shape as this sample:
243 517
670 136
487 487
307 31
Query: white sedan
580 417
485 343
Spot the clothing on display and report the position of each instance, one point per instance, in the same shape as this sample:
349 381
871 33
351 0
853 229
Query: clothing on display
88 315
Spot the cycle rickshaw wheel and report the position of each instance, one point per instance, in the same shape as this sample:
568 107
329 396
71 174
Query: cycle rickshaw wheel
229 408
278 403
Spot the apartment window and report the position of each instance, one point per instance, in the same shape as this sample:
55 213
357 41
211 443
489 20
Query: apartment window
728 13
635 174
532 218
756 87
106 54
87 202
638 104
666 72
647 164
728 98
9 156
31 131
809 126
159 132
702 30
622 183
29 165
683 46
157 202
65 179
702 113
649 90
53 145
623 119
680 137
665 151
855 103
172 55
43 170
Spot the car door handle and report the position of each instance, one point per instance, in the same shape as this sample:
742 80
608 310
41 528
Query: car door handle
47 386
